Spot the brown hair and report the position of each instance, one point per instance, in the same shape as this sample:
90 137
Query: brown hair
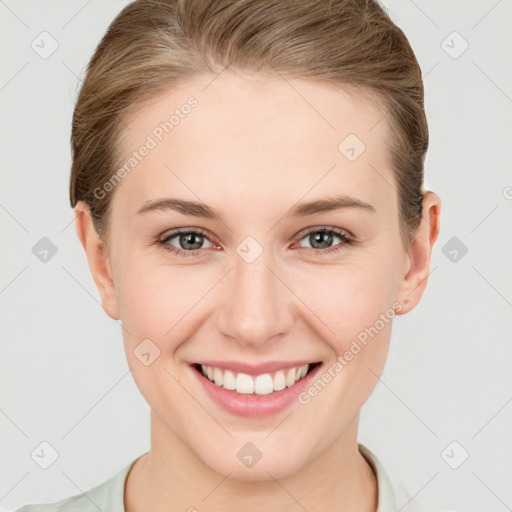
153 44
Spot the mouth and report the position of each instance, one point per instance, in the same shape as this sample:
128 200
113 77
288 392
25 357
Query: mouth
241 383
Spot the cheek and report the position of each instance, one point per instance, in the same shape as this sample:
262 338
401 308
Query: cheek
354 314
348 296
152 298
161 308
156 299
156 306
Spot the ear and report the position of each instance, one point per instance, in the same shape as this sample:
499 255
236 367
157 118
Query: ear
97 257
416 272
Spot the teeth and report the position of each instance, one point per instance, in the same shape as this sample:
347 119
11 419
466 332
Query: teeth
290 378
261 385
229 380
217 376
244 384
264 384
279 381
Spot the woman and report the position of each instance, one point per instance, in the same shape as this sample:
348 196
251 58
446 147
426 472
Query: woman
247 181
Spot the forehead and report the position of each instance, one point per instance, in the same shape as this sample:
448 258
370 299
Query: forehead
256 136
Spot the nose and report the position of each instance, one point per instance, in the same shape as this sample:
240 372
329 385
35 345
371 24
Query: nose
257 307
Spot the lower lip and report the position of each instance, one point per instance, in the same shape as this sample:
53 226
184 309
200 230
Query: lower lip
254 406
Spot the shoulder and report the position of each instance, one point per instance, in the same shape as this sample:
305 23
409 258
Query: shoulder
386 493
78 503
107 497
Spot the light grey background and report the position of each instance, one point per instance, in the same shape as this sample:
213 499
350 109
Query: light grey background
64 375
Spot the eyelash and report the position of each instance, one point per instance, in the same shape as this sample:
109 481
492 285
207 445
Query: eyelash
347 240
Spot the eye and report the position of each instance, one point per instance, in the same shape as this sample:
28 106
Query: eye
190 242
321 239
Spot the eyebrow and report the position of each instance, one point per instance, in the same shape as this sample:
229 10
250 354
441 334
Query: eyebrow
197 209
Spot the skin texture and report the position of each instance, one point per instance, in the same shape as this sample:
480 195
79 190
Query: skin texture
252 148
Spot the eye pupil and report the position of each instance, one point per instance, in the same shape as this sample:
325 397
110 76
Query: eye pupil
323 238
185 240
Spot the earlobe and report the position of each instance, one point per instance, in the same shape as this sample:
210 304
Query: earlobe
97 258
415 278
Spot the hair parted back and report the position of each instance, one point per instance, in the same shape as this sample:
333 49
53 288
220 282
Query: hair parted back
154 44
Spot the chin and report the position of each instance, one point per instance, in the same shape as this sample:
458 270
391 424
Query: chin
276 465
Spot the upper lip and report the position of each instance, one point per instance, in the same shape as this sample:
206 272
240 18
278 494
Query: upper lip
254 369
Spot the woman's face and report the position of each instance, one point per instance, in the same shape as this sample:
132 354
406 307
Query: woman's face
258 282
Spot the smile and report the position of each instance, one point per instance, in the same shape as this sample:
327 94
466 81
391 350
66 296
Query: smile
254 394
263 384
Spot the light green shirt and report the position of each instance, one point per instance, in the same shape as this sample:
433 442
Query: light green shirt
109 495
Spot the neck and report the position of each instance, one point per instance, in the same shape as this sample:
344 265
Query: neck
171 478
